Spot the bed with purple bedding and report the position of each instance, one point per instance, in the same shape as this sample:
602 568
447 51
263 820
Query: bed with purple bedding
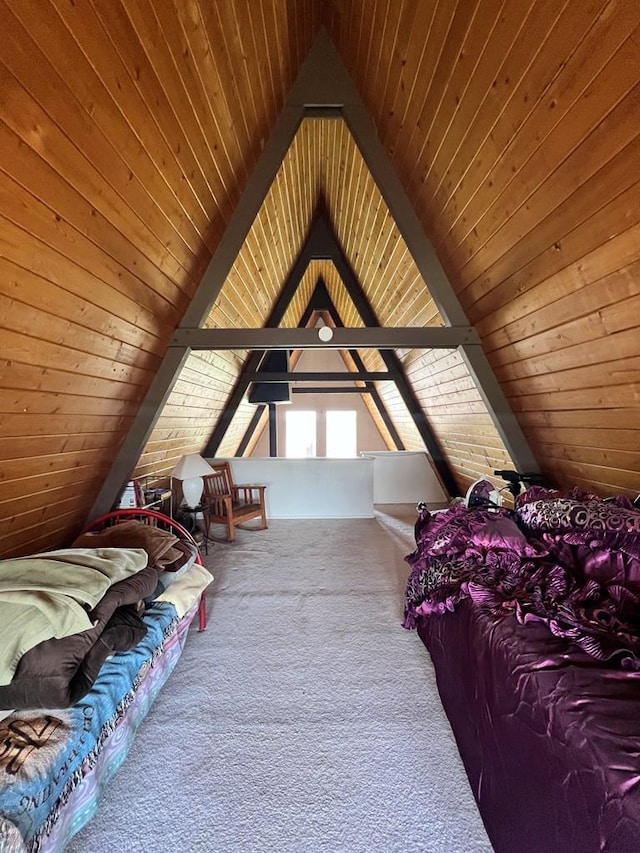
532 619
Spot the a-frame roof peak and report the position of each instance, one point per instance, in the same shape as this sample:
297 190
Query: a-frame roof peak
322 84
340 156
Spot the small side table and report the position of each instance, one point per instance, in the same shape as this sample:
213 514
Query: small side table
192 513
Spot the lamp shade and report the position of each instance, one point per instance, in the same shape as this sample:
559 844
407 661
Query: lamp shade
191 465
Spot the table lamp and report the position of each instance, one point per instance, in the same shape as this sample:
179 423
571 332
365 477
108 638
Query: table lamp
190 470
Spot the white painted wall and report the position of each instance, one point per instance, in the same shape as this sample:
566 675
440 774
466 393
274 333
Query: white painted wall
337 488
310 488
404 477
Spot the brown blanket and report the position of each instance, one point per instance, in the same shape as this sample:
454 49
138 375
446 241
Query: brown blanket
133 534
48 595
58 672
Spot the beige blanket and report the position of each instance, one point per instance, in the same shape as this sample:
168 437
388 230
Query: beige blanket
184 592
49 595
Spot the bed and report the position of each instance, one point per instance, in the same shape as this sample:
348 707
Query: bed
117 608
532 619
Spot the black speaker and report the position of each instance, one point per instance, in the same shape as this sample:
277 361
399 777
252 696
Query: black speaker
276 361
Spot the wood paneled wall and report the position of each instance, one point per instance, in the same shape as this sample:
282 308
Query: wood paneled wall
127 133
323 164
246 299
129 128
514 128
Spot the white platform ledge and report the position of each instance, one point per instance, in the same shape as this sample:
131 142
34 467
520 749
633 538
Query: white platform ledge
311 488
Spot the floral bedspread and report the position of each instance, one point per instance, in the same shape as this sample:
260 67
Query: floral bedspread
570 561
46 753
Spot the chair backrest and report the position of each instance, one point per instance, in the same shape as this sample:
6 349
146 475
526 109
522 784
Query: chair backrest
219 482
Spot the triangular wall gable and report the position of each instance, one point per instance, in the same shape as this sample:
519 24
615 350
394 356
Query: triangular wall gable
322 243
321 306
323 88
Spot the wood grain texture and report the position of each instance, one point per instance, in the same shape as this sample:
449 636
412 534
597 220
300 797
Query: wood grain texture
523 169
128 131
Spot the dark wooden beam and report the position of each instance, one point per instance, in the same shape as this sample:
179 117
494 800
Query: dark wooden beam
323 297
328 239
321 301
334 389
273 430
254 358
321 376
372 337
248 433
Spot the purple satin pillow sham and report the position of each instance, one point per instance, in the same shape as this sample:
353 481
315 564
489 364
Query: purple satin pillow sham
460 529
568 514
503 534
607 534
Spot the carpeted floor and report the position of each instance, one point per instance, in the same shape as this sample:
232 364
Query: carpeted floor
304 720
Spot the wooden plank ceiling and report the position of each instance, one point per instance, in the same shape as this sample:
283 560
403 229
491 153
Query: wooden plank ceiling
128 130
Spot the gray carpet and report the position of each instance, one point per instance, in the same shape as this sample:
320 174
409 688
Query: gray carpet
304 720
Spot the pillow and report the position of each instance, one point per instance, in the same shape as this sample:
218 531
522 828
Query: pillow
479 527
503 534
185 592
172 558
130 534
568 514
179 555
165 579
437 534
175 570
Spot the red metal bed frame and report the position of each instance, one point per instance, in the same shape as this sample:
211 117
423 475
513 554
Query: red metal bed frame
152 515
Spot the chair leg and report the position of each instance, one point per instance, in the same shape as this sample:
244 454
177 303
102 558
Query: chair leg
231 531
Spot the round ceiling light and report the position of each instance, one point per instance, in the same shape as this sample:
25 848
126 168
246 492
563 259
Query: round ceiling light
325 333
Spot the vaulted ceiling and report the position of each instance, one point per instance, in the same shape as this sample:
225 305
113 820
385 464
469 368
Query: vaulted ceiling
129 131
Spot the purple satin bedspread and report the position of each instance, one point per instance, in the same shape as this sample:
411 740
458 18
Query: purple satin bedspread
550 736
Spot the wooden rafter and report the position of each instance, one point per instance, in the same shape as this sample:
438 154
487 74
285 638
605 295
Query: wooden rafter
323 87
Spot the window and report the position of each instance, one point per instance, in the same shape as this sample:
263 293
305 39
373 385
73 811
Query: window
341 434
300 434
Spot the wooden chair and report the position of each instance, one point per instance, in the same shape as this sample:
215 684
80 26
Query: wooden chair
230 504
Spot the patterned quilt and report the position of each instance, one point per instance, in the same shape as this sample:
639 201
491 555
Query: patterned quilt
45 754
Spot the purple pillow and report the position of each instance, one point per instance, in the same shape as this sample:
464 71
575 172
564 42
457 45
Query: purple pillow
568 514
503 534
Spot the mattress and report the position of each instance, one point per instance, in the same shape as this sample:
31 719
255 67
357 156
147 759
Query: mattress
55 762
550 736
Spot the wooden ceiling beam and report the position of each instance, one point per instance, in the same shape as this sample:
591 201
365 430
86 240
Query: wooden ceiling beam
305 96
331 389
322 303
255 357
322 376
322 87
327 243
375 157
322 242
370 337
